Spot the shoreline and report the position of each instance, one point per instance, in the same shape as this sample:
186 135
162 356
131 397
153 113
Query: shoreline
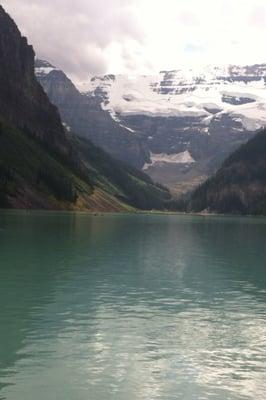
26 212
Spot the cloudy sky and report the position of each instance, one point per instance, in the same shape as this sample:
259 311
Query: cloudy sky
88 37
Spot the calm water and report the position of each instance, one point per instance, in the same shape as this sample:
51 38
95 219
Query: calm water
132 307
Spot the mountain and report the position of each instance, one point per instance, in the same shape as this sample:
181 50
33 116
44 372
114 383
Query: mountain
85 116
42 165
188 120
239 186
22 100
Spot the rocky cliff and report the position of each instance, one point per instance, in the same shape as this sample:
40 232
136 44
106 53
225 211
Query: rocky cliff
23 102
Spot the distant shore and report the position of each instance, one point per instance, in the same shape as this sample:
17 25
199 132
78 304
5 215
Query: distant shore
135 212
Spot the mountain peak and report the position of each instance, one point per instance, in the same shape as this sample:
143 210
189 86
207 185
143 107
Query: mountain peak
43 68
43 64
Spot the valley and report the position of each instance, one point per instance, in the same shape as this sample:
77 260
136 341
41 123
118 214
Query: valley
153 121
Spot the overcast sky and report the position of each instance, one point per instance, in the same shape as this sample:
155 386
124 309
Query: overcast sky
88 37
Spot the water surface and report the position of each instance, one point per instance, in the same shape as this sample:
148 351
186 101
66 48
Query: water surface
137 307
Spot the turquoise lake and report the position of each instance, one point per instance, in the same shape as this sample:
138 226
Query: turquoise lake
132 307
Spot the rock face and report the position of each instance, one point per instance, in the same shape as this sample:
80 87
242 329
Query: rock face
85 116
208 113
23 102
239 186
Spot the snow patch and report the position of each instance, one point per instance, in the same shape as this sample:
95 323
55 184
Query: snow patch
127 128
44 70
163 158
66 126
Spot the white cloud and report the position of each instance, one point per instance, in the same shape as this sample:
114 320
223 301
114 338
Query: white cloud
97 36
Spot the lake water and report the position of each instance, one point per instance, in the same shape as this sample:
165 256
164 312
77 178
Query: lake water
137 307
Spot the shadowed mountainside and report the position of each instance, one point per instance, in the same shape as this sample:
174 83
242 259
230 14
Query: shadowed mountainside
239 186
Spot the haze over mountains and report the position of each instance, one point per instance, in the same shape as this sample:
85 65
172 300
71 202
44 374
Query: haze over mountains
178 126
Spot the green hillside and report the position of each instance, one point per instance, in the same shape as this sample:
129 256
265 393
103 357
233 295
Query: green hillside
32 176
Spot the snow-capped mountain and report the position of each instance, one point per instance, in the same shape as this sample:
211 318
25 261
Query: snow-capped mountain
43 68
85 116
234 90
203 113
181 124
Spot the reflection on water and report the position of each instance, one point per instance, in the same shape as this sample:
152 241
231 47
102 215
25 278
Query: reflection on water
132 307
